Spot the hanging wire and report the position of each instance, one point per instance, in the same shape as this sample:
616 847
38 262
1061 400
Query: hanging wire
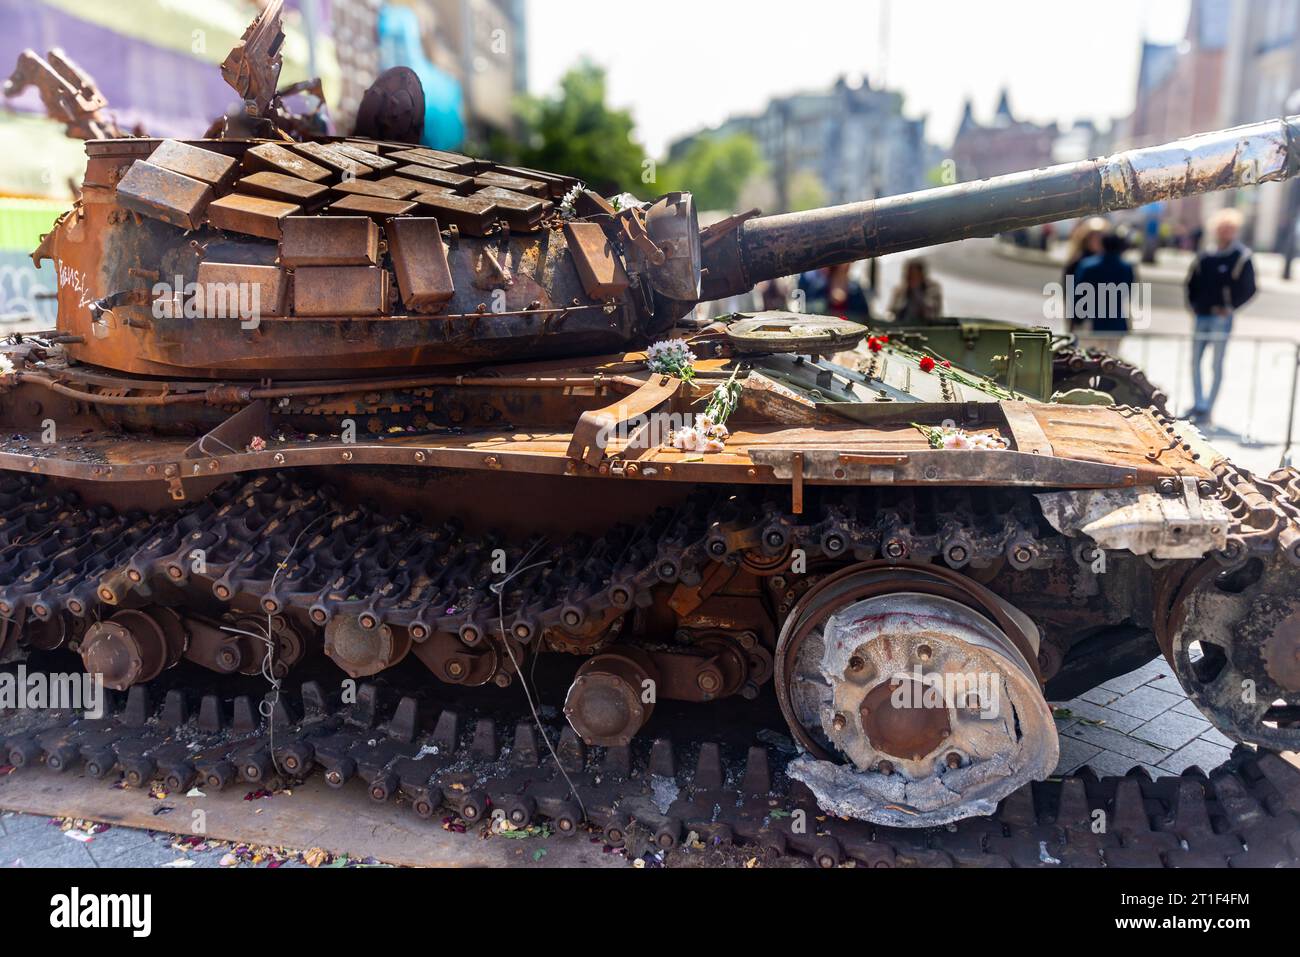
499 589
266 707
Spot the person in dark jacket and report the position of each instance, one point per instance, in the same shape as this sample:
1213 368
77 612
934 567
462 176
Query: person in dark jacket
1103 289
1084 241
1221 281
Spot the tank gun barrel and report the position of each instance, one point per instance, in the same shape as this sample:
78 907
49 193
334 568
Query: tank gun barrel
771 246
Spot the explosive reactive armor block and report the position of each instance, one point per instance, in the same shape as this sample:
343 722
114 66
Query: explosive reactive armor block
340 291
420 259
334 241
164 195
252 215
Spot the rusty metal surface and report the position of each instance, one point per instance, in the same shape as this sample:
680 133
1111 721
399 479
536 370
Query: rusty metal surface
432 174
377 208
333 241
271 283
328 156
215 169
251 215
288 189
274 158
601 272
164 195
67 92
420 261
387 188
472 215
393 107
329 291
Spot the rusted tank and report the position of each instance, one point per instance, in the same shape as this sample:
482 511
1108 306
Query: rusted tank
329 395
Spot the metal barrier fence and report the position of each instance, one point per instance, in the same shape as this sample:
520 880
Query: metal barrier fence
1256 404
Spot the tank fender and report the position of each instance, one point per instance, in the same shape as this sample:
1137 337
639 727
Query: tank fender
1177 523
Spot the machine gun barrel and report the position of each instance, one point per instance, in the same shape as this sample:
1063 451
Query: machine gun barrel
771 246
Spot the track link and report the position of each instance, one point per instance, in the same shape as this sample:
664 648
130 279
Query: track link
1246 814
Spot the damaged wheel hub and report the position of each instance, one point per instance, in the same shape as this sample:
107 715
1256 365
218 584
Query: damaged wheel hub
915 709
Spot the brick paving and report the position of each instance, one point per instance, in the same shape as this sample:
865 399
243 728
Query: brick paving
1141 718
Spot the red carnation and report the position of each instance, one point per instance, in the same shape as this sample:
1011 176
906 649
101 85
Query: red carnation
927 364
873 344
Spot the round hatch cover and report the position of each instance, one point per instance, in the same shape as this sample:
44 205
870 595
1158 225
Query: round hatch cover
766 332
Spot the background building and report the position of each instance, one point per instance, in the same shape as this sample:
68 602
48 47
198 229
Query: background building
1180 88
1261 75
854 140
1003 146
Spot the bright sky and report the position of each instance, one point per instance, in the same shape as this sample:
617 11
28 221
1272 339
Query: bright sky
684 64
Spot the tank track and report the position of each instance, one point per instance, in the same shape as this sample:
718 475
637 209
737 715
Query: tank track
276 543
655 794
1073 367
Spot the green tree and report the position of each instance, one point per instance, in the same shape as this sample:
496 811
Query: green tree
806 191
574 132
714 169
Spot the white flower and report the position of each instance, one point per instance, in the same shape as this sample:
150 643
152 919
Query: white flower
6 365
714 445
670 357
704 422
956 440
567 209
625 201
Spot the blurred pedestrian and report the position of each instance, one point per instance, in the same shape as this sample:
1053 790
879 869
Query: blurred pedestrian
918 299
773 293
846 297
1220 282
1084 241
814 290
1104 287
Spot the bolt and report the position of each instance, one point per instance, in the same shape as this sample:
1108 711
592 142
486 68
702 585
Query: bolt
455 669
895 549
708 682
